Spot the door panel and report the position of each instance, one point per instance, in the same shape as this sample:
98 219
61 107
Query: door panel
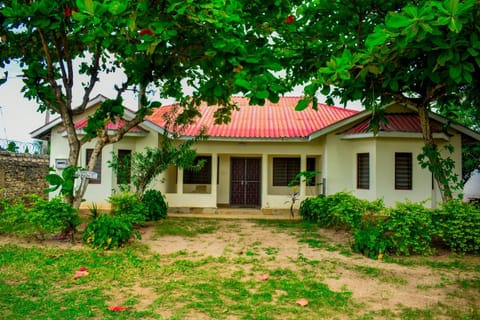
245 185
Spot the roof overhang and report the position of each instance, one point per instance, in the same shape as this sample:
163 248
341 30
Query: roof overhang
402 135
43 132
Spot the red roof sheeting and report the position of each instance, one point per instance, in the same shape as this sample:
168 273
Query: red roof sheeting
271 121
82 123
405 122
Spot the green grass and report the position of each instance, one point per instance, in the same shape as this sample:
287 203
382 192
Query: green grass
185 227
38 283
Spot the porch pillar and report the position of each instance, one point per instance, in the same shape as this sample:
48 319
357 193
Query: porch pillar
264 181
213 183
303 168
179 181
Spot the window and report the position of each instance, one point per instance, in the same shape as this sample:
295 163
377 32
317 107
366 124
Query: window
285 170
363 171
201 176
311 166
97 168
403 171
124 166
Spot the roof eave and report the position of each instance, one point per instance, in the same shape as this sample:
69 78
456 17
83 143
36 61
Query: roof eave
339 124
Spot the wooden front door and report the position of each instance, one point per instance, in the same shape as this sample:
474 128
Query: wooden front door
245 184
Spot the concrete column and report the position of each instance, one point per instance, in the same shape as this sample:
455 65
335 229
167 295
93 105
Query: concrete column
214 177
303 168
265 180
179 181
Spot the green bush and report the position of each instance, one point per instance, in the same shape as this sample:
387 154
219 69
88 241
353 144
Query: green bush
340 210
370 240
13 217
128 206
409 229
48 217
314 209
109 232
41 217
457 225
155 205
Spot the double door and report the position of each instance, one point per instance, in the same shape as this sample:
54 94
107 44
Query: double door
245 185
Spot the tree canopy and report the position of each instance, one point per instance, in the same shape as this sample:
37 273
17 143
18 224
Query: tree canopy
216 47
425 54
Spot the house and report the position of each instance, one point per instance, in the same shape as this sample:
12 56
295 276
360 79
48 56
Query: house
250 161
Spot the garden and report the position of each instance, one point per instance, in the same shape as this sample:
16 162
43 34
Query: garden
345 259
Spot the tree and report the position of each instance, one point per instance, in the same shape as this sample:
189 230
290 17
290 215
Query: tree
423 54
218 47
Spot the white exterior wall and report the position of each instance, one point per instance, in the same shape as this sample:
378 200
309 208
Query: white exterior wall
340 168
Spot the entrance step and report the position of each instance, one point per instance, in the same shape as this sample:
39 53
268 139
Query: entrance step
232 213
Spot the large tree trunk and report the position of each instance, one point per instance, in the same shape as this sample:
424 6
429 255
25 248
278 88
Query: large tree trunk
431 151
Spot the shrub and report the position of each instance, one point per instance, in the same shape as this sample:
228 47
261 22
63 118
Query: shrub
47 217
13 217
340 210
156 207
314 209
41 218
457 225
128 206
109 232
370 240
409 229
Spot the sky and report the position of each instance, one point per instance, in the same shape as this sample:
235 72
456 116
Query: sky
19 116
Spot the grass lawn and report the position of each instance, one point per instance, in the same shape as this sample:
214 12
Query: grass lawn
224 269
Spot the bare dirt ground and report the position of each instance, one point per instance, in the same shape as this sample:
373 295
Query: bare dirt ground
375 284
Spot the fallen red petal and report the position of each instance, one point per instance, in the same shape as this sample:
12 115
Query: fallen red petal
303 302
264 277
80 274
82 268
118 308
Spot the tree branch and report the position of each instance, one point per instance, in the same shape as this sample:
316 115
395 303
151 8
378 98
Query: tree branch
93 79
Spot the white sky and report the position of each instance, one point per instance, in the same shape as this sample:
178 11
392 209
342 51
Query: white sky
19 116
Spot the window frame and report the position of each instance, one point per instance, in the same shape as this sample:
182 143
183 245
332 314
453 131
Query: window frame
121 155
283 173
202 176
361 167
403 171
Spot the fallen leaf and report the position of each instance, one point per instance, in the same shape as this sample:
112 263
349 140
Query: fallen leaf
303 302
264 277
80 274
118 308
82 268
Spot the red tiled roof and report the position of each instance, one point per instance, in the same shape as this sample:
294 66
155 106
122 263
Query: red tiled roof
82 123
406 122
272 121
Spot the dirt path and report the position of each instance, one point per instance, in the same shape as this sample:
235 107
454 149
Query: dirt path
377 285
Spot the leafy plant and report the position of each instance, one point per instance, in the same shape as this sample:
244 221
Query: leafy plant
41 217
127 205
155 205
409 229
64 182
12 147
340 210
107 232
370 240
457 224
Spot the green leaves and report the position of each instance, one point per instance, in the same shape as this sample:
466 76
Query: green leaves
85 6
64 182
